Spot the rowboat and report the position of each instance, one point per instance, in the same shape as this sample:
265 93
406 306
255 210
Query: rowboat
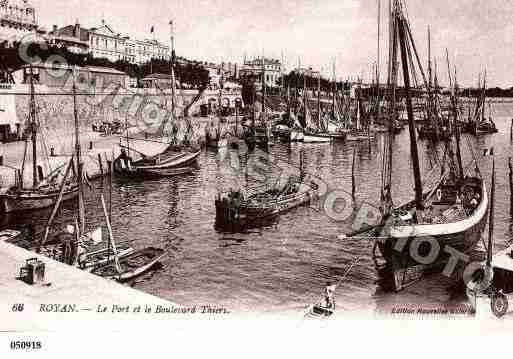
131 265
319 311
89 260
8 235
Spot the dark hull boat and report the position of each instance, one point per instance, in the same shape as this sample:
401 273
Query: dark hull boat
448 225
419 236
234 212
430 133
131 265
482 128
88 261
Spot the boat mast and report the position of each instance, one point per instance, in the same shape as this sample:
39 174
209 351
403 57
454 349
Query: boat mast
172 64
378 69
456 132
319 117
263 88
333 91
392 112
33 128
305 104
490 221
430 99
81 222
409 108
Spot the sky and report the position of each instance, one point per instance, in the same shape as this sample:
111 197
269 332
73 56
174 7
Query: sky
478 34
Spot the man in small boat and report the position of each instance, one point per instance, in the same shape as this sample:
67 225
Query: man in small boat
329 292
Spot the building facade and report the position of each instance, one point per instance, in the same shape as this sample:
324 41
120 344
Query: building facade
17 19
104 42
73 37
256 67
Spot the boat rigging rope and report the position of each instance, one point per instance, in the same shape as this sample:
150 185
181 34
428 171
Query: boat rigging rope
346 273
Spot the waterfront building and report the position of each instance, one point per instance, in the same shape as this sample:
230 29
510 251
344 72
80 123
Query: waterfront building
17 19
73 37
104 42
255 67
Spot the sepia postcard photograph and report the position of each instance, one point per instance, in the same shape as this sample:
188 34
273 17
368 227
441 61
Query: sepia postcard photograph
229 176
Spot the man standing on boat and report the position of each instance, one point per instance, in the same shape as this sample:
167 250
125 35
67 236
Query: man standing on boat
329 292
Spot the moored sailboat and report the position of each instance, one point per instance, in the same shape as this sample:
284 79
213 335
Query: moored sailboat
44 190
450 214
147 157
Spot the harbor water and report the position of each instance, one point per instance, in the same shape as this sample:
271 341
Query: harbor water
283 266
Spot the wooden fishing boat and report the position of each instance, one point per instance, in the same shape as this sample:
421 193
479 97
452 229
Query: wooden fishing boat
310 137
235 210
131 265
140 156
19 200
155 160
446 222
477 123
44 191
9 235
89 260
451 214
431 133
359 136
167 172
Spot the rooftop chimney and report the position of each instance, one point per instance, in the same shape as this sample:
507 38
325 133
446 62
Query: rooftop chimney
76 30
